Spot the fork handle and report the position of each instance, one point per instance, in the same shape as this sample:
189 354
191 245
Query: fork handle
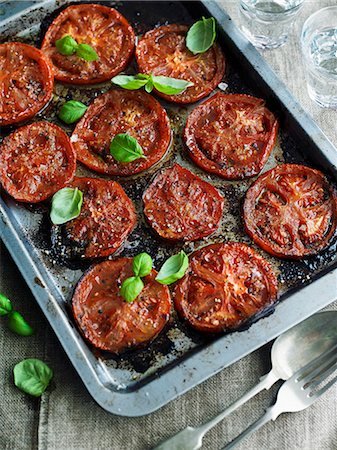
269 415
266 382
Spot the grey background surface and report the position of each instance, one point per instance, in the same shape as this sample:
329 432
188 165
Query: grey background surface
67 418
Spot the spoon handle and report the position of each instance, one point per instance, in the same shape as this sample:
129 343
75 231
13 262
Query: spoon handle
266 382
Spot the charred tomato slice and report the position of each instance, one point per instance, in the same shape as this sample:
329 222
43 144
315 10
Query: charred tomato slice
291 211
134 112
36 161
231 135
104 29
107 218
163 52
106 320
181 206
26 82
226 284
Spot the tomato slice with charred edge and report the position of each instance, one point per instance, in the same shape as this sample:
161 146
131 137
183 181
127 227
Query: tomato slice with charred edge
36 161
226 284
107 218
106 320
291 211
181 206
104 29
231 135
163 52
134 112
26 82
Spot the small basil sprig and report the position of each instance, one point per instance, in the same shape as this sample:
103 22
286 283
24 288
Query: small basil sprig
201 36
165 85
125 148
71 111
173 268
32 376
133 286
68 46
66 205
5 305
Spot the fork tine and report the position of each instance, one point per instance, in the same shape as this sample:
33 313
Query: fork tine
324 389
324 364
317 380
316 364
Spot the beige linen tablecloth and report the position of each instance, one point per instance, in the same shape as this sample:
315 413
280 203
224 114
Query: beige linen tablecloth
67 418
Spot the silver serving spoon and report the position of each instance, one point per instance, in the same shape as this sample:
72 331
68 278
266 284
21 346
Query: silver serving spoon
291 351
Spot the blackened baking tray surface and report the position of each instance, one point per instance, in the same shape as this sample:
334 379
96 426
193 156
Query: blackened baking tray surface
139 382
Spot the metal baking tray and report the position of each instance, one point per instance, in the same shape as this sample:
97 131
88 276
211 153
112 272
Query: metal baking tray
139 382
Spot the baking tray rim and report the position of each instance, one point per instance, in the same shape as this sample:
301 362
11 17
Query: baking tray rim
187 373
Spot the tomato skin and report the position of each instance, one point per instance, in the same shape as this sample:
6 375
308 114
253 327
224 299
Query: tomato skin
106 320
26 82
36 161
181 206
90 24
226 284
218 135
291 211
133 112
162 51
107 218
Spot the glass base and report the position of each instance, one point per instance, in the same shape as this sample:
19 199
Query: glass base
324 101
264 42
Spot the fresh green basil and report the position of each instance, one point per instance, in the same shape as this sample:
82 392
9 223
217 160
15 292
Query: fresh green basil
142 265
201 36
173 269
86 52
130 82
170 86
32 376
66 205
131 288
166 85
66 45
125 148
72 111
5 305
17 324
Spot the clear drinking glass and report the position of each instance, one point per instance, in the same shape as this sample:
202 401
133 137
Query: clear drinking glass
319 47
267 23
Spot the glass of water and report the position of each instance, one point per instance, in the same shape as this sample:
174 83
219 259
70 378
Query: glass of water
319 47
267 23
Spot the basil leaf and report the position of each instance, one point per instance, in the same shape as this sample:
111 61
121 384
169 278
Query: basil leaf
149 85
66 205
18 325
201 36
86 52
66 45
173 269
170 86
125 148
32 376
131 288
142 265
5 305
131 82
72 111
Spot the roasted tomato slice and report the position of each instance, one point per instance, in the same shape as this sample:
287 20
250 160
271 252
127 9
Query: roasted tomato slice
291 211
231 135
181 206
107 218
134 112
26 82
162 51
36 161
225 285
105 29
107 320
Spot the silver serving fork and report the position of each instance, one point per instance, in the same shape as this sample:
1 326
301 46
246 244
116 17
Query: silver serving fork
298 392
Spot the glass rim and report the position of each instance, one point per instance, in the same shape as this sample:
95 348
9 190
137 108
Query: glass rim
316 14
299 4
